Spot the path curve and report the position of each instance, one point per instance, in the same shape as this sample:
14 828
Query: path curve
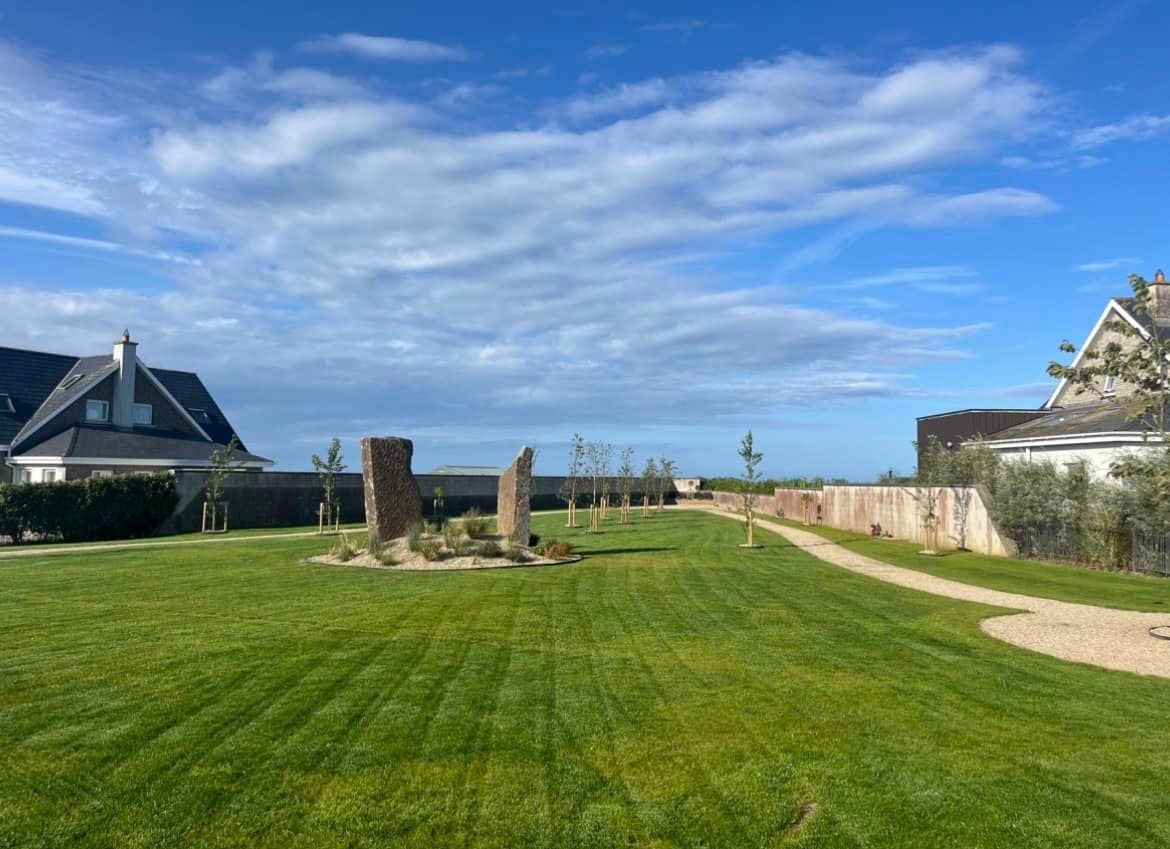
1101 636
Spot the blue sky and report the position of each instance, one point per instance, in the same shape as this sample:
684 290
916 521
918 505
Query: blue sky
657 225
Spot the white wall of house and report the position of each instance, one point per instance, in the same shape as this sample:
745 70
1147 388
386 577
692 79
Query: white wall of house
1097 459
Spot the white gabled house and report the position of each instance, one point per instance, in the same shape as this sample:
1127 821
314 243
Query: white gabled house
63 417
1076 427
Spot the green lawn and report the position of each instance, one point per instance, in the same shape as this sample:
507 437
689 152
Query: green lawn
670 690
1049 580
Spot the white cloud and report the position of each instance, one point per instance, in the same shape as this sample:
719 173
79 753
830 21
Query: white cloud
383 48
603 51
1134 128
1107 264
430 262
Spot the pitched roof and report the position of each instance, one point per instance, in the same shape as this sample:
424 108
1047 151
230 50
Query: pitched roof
102 441
27 378
85 374
34 381
1107 416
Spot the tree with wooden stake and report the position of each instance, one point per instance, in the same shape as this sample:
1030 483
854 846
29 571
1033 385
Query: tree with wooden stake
439 504
606 457
806 500
572 484
626 483
751 476
215 509
593 462
649 485
329 510
665 480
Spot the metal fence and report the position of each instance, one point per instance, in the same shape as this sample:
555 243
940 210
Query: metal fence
1151 553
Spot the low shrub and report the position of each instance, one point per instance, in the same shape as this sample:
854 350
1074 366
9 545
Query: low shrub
474 525
554 550
430 549
90 509
414 537
343 549
489 548
453 536
385 557
516 554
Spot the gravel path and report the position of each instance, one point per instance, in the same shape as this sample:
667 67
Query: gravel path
14 552
1101 636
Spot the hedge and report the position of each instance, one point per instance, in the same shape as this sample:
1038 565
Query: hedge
89 509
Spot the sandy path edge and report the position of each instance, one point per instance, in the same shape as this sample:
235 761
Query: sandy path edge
1082 633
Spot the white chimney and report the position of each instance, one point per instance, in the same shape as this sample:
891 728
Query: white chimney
126 356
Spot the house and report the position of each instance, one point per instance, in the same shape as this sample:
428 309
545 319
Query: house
1076 427
64 417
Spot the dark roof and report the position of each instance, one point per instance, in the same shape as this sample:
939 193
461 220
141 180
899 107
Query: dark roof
486 471
189 391
1158 328
89 371
34 382
1098 417
108 442
27 378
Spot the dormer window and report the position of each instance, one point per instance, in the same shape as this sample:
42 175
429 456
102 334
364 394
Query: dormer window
1110 385
6 403
97 411
143 414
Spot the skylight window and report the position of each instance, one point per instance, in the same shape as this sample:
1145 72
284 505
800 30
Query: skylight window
1110 385
6 403
71 380
199 415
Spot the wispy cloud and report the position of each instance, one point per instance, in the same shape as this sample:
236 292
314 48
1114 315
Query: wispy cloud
916 276
605 51
1134 128
462 246
385 48
673 25
64 240
1107 264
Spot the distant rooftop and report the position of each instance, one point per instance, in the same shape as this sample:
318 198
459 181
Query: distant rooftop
486 471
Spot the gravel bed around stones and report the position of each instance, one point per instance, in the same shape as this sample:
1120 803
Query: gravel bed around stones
1101 636
406 560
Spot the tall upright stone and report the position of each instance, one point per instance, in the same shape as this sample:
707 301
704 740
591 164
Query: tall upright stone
393 502
513 509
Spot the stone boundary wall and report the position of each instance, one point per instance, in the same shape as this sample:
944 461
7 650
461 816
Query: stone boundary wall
286 499
856 507
765 504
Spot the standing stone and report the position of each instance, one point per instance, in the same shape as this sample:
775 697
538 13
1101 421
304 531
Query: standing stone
513 510
393 502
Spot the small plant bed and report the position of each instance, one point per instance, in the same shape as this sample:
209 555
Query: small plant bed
448 551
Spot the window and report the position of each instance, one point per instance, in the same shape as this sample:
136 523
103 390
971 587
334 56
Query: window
102 473
48 475
143 414
97 411
199 415
26 475
71 380
6 403
1110 385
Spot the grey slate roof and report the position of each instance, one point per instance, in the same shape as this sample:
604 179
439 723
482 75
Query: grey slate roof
27 377
32 379
1097 417
486 471
108 442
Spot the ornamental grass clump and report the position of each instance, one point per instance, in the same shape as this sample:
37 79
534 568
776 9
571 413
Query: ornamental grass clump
343 549
431 550
474 525
555 550
414 537
489 548
516 554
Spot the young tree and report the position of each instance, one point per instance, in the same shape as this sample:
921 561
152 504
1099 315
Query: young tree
626 482
666 469
593 461
569 489
222 462
605 456
329 511
751 476
649 484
